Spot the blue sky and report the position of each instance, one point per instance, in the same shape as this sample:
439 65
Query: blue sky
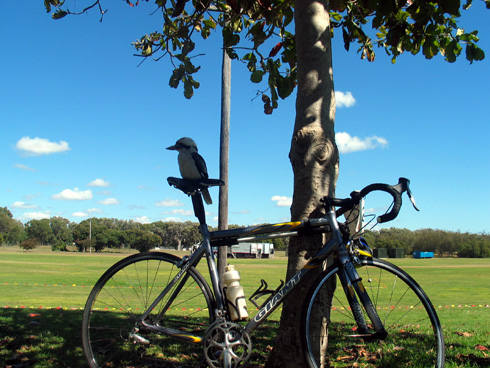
84 128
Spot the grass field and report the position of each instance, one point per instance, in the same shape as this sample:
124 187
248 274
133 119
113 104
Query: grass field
42 295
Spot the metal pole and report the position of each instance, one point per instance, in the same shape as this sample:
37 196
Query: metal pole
224 154
90 236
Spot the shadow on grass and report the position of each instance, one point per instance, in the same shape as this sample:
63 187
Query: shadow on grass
52 338
40 338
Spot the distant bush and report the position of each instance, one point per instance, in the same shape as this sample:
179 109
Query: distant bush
85 245
59 246
29 244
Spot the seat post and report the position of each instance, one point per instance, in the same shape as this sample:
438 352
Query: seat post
199 208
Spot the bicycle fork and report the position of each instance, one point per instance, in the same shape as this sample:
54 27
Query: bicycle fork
358 297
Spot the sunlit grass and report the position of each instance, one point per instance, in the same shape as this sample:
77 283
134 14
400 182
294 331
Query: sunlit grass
46 291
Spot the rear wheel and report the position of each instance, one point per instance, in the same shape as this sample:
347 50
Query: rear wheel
331 334
113 334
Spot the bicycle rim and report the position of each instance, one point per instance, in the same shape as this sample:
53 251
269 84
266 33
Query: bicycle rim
331 337
111 333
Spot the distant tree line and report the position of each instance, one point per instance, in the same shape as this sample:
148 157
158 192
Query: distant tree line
103 233
442 243
100 233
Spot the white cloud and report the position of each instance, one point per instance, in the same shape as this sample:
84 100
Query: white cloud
99 183
73 195
23 205
94 210
109 201
344 99
24 167
169 203
36 215
172 219
40 146
346 143
143 219
182 212
282 201
79 214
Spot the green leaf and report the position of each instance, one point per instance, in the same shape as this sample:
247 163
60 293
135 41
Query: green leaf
289 55
336 16
237 25
232 54
474 53
346 37
188 90
468 37
450 6
430 47
205 33
189 67
210 23
249 56
188 47
257 76
257 34
59 14
176 77
273 96
285 86
452 51
229 38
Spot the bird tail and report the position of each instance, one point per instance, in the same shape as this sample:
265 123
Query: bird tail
207 196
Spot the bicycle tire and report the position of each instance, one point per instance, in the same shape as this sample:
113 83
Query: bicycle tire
111 333
414 338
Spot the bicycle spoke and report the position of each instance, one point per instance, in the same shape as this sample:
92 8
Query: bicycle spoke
406 313
113 334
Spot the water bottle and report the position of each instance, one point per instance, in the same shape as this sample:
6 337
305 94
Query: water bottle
234 294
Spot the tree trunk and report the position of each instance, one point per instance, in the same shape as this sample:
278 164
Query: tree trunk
314 159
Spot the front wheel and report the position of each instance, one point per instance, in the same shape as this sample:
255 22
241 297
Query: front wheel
332 337
113 332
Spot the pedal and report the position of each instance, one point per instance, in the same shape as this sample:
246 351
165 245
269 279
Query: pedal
137 339
263 291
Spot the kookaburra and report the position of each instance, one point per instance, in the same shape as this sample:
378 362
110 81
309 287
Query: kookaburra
191 164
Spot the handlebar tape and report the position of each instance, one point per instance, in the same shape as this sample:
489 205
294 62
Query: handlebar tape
395 191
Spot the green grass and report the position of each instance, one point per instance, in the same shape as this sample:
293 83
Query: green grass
45 293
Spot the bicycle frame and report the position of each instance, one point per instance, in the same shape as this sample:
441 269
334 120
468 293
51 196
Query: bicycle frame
328 223
194 308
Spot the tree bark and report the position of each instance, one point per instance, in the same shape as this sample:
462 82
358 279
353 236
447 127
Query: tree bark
314 159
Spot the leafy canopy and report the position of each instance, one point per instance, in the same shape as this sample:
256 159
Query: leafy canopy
260 34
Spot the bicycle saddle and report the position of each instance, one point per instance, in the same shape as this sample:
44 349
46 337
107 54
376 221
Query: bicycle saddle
190 187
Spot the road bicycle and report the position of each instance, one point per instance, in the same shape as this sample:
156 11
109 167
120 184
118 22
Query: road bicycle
157 310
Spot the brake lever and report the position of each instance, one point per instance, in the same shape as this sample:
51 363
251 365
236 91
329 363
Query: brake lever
412 198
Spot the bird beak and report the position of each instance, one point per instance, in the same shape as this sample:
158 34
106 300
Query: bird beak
172 148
